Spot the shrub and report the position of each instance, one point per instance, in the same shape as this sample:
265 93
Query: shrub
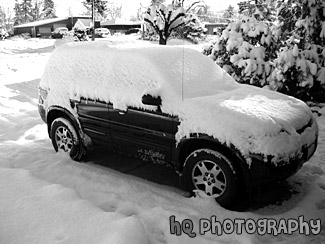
245 50
287 55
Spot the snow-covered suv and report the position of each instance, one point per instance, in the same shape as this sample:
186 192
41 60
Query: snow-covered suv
174 105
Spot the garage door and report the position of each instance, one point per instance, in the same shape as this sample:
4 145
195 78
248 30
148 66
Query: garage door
45 30
86 22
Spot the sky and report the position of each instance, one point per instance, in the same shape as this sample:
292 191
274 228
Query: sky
129 6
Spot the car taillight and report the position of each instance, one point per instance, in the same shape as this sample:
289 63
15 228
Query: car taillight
42 94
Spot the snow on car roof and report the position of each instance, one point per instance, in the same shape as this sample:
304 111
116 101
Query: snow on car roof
192 87
96 70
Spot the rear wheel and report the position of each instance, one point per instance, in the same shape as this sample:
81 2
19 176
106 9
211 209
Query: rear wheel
213 173
66 138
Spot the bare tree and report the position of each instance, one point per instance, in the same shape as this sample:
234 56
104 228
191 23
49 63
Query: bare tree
100 6
164 20
113 11
156 2
193 5
139 15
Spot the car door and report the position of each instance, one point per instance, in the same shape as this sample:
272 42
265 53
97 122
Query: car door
142 133
94 120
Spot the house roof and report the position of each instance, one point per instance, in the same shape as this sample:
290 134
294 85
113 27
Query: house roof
40 22
49 21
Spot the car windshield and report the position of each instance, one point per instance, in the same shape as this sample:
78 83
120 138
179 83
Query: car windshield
187 74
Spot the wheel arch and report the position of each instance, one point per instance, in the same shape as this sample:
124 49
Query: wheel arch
55 112
188 145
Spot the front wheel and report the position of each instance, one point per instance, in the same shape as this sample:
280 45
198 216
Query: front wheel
213 173
65 138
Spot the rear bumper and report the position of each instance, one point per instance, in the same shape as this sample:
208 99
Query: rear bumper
264 173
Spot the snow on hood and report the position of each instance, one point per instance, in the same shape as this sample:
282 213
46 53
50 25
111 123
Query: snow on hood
204 97
254 120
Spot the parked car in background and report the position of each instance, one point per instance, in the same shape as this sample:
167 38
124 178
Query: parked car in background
102 32
132 31
174 105
59 32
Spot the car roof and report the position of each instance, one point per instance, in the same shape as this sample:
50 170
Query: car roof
168 69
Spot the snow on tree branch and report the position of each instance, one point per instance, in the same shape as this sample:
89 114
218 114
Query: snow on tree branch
164 19
287 54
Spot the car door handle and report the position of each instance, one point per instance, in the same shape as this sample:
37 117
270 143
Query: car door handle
120 112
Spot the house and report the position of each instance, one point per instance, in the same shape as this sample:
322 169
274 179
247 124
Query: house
45 27
212 28
120 25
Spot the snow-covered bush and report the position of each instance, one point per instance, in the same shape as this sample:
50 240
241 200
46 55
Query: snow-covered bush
245 50
296 71
80 32
287 55
149 33
302 25
80 35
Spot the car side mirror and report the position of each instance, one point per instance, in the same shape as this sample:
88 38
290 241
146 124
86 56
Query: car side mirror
150 100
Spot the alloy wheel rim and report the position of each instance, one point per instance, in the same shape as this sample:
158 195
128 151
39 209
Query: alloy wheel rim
209 177
63 139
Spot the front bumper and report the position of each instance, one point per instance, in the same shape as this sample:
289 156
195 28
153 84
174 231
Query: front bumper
41 112
264 173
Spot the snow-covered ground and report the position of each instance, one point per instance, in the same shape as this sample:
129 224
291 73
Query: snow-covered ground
45 197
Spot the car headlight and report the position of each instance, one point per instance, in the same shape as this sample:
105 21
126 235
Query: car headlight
42 94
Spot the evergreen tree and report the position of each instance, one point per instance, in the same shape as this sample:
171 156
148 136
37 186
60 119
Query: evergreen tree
229 13
2 17
287 55
17 19
301 26
48 9
26 11
259 9
23 12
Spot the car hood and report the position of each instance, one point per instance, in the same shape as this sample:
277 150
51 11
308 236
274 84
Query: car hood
252 119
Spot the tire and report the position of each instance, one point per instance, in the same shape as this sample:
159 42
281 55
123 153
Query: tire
66 138
213 173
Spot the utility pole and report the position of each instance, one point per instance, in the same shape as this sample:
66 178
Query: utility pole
93 19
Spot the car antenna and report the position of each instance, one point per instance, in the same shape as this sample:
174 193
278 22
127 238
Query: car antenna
183 64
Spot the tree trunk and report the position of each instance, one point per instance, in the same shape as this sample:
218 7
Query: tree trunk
162 39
